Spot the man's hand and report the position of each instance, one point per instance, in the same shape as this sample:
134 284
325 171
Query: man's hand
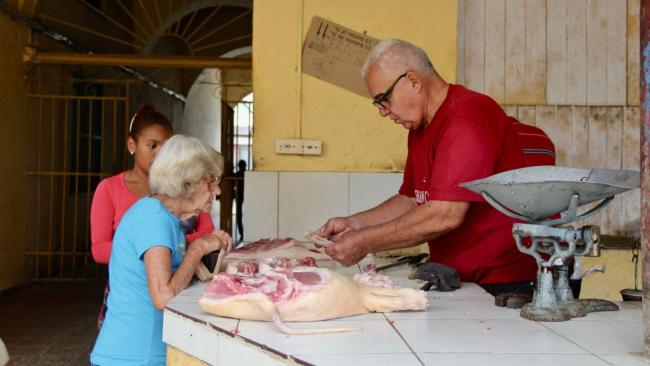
349 249
337 226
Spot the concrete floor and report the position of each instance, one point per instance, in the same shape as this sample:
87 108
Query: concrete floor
51 323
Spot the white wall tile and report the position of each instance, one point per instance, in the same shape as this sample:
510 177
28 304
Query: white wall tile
367 190
287 204
260 212
307 200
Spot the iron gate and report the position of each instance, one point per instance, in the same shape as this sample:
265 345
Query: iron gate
79 128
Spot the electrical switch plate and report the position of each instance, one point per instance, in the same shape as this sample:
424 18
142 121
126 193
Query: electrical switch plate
288 146
298 147
311 147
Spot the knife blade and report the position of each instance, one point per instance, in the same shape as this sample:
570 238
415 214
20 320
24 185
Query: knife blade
411 260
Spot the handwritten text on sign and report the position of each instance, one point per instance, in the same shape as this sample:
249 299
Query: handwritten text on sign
335 54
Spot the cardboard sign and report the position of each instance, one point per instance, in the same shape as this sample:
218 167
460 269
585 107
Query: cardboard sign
335 54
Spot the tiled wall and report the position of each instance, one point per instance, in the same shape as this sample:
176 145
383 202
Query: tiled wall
287 204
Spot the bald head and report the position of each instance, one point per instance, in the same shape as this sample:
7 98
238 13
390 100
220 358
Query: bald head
399 56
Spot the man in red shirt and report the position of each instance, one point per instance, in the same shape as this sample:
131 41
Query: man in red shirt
455 135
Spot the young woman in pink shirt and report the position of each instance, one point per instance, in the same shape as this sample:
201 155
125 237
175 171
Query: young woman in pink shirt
148 131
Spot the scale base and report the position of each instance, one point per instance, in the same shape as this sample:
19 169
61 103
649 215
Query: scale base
556 314
567 310
595 305
559 313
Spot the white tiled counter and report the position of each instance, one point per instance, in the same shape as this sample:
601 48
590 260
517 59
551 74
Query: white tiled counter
459 328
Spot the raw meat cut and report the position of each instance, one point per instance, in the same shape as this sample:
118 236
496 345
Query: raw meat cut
318 239
274 248
302 294
260 256
248 268
242 268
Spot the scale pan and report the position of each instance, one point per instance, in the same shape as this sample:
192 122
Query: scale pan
542 191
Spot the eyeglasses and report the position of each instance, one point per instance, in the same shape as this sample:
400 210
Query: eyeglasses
379 99
213 181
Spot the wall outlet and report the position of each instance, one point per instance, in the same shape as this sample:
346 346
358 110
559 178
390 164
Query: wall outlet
298 147
311 147
288 146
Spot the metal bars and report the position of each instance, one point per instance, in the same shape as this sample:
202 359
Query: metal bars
75 135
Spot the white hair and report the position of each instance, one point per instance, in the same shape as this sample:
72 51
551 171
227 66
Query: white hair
4 355
399 55
180 165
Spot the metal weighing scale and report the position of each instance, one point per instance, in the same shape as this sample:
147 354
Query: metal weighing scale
535 194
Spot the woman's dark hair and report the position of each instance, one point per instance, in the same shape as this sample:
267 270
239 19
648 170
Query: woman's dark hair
145 117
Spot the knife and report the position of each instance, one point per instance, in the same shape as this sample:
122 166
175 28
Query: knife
411 260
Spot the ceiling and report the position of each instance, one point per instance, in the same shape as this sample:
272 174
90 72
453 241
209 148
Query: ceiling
189 28
172 27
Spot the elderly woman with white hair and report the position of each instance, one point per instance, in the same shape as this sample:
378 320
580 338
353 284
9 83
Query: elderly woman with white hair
150 263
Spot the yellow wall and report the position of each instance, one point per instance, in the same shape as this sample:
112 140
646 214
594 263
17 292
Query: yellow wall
13 152
619 274
289 104
176 357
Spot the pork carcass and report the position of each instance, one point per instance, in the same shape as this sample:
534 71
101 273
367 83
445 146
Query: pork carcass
370 277
302 294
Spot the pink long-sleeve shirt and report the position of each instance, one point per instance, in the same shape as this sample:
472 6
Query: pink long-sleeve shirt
111 200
